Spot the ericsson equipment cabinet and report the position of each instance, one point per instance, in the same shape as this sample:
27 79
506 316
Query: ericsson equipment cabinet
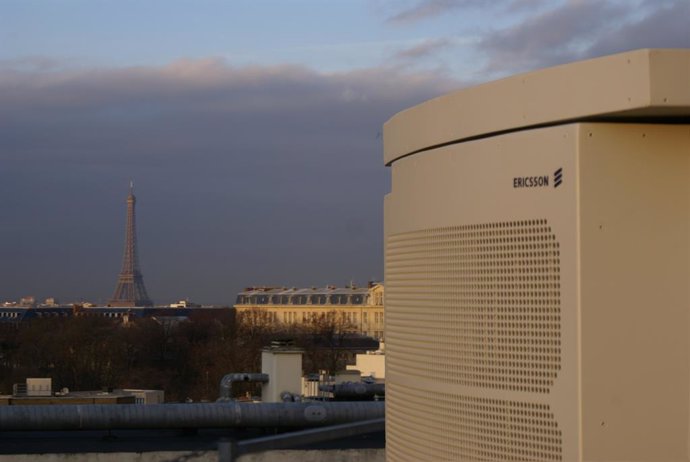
537 241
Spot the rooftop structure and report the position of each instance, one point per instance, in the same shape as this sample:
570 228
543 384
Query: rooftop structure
371 364
282 407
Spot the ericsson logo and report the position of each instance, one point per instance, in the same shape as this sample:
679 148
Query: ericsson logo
557 177
539 181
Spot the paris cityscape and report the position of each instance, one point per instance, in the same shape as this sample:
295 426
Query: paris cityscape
345 321
291 231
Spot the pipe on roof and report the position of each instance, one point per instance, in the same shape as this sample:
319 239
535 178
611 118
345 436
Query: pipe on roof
179 416
227 381
355 390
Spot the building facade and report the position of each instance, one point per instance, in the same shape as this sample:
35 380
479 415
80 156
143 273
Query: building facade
359 309
13 315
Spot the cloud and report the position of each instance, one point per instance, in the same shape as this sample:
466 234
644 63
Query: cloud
665 27
245 175
516 6
579 29
426 9
33 64
512 36
429 9
425 48
551 37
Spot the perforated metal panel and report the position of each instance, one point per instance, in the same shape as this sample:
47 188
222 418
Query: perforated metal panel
477 307
490 293
467 428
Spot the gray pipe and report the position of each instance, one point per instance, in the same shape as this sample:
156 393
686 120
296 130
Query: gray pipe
355 389
193 415
227 381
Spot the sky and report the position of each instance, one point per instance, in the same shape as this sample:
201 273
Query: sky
251 128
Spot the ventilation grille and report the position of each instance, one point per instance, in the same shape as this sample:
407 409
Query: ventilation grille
476 305
457 427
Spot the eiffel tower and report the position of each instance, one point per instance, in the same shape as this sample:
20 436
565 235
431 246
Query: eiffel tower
130 290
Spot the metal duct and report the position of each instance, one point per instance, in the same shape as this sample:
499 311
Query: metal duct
355 389
227 381
193 415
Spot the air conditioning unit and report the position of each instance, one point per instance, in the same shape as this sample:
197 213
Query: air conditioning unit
537 267
39 387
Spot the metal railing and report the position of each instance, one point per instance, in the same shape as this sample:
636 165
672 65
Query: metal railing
230 450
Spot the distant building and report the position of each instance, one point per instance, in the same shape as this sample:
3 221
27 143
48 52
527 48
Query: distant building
39 391
51 301
372 364
360 309
28 301
143 396
185 304
13 315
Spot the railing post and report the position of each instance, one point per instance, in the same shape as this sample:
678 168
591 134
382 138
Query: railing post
227 450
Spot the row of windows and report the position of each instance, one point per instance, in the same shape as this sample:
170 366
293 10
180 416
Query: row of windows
301 299
293 316
305 316
53 314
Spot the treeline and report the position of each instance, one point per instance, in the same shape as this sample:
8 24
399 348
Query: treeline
186 359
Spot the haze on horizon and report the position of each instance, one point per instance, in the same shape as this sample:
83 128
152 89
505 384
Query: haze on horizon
252 129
